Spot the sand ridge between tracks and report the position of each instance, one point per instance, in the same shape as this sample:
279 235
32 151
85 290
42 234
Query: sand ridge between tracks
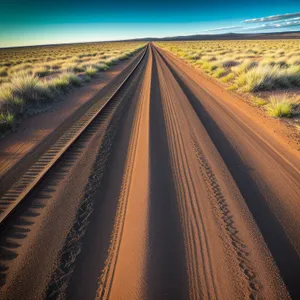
124 271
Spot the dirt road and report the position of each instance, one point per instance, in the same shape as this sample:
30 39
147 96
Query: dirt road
174 193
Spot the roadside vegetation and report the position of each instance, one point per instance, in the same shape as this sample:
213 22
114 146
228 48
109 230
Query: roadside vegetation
33 76
268 71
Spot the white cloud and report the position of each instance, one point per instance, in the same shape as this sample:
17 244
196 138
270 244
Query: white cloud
273 18
284 24
223 28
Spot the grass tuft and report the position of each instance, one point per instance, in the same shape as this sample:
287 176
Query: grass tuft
228 77
219 72
260 102
41 71
233 87
279 107
60 83
25 86
6 121
90 71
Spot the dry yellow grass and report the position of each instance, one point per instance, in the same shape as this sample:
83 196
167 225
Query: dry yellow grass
264 67
32 74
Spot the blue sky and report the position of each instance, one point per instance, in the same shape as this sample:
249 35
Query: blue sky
33 22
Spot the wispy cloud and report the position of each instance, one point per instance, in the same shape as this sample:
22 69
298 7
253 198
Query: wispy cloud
273 18
223 28
271 23
285 24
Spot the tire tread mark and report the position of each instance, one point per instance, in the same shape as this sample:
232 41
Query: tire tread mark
107 276
191 215
62 274
228 222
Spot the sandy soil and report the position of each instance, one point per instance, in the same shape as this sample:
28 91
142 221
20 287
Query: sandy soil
37 132
178 193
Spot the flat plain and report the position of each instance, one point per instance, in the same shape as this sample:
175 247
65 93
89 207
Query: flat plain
162 183
34 75
266 70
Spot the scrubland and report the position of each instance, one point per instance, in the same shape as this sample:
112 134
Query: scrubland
267 71
32 76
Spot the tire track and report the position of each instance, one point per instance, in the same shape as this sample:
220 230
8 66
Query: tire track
61 276
201 276
167 272
197 186
134 186
240 247
238 147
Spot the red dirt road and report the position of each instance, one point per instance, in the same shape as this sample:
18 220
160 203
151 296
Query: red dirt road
177 193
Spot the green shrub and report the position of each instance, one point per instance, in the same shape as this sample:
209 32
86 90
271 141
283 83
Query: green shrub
86 78
75 80
292 75
228 77
209 66
90 71
78 68
26 86
279 107
233 87
111 61
260 102
101 67
243 67
219 72
124 56
60 83
194 56
6 121
258 78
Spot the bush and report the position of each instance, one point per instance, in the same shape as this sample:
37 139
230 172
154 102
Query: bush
220 72
78 69
266 78
260 102
101 67
233 87
124 56
241 80
194 56
259 78
228 77
75 80
90 71
26 86
69 67
60 83
279 107
6 121
209 66
292 75
243 67
41 71
86 78
20 68
111 61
